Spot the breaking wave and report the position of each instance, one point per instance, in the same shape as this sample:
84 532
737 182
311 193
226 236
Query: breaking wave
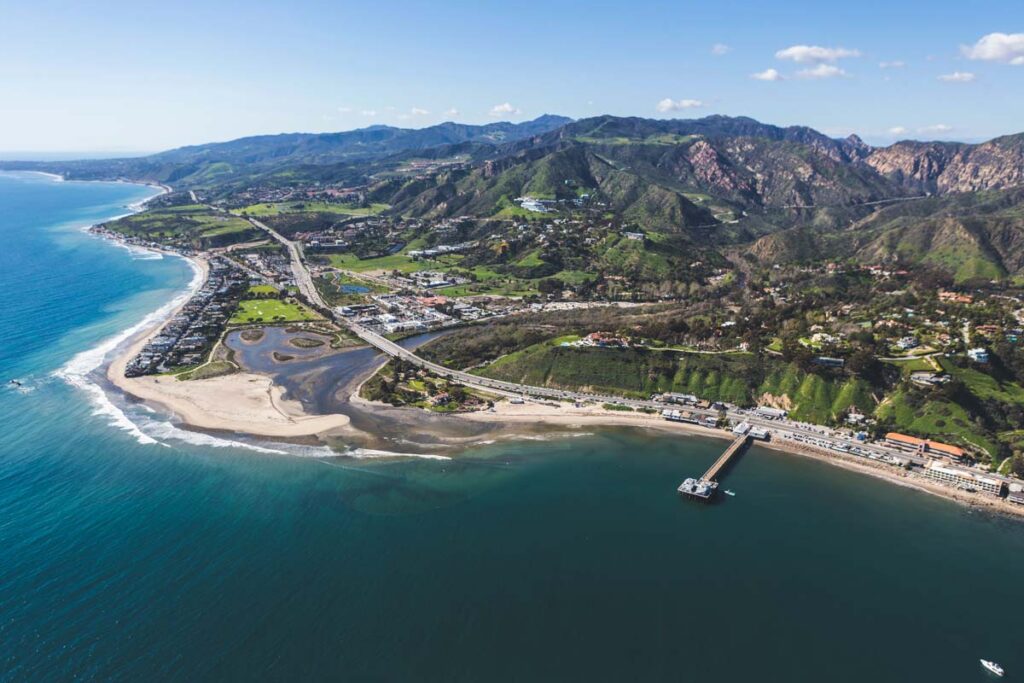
77 372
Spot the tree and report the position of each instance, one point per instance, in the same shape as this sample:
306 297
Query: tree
550 285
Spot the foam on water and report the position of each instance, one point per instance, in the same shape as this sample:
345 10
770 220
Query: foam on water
366 453
164 430
79 370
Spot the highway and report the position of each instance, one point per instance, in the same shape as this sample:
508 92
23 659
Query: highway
799 431
299 271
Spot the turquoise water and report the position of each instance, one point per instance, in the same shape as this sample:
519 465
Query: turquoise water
129 553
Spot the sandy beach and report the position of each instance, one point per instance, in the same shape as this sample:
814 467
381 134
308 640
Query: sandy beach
250 403
243 402
569 417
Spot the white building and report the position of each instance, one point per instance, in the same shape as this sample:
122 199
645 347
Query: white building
963 479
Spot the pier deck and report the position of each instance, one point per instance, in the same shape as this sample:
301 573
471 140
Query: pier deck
705 487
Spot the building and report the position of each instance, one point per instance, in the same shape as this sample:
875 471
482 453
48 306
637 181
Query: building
928 379
759 433
955 298
741 429
964 479
771 413
686 399
978 355
1016 494
923 446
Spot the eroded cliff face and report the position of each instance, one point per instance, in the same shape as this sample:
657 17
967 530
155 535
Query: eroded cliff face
953 167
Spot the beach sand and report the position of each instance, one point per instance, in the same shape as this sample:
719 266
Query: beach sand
243 402
251 403
570 417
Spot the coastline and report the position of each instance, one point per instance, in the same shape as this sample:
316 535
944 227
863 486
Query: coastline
244 402
570 417
251 403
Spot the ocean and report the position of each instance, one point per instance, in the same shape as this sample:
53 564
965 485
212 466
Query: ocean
133 550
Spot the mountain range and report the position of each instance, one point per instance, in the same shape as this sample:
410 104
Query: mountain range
775 193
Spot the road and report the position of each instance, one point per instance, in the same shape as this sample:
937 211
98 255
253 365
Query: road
781 428
299 270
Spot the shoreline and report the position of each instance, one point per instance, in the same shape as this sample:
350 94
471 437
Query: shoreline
569 417
244 402
252 404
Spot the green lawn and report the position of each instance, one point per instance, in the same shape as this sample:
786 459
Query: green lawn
262 289
937 419
913 365
987 387
399 262
191 223
271 310
276 209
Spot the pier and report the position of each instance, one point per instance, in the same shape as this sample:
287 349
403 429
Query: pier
705 487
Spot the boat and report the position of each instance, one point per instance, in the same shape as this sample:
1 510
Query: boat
992 666
729 493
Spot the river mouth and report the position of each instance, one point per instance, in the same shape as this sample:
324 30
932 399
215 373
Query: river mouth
324 379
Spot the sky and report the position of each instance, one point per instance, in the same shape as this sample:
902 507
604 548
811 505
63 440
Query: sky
146 76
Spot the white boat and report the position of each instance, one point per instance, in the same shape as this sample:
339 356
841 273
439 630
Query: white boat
992 666
729 493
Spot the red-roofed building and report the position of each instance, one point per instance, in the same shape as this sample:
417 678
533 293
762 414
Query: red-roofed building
923 446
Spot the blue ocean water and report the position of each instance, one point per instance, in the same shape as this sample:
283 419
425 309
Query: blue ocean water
142 553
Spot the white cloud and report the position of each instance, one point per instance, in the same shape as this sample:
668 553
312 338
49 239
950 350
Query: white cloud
898 130
369 112
768 75
813 54
451 113
1007 48
417 111
504 109
668 104
958 77
821 71
344 110
719 49
937 128
894 64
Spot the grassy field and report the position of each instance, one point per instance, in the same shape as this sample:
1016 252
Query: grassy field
913 365
986 387
400 262
191 223
735 378
272 310
814 398
629 372
935 419
263 290
276 209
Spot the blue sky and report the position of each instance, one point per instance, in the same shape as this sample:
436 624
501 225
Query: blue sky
149 76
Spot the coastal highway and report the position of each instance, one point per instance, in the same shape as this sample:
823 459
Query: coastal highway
299 270
801 432
795 430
